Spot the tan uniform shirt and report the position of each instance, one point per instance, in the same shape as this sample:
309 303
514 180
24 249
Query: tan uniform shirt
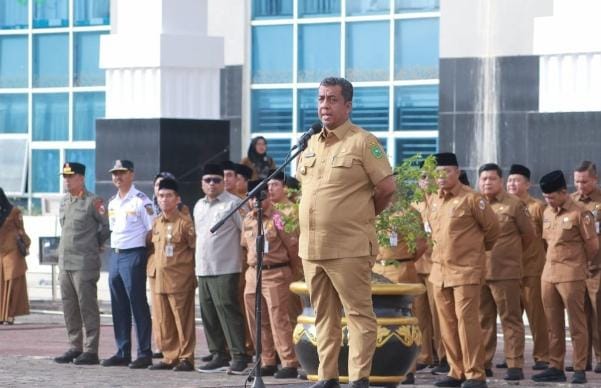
423 265
534 255
565 230
463 227
282 246
592 203
174 270
338 171
504 261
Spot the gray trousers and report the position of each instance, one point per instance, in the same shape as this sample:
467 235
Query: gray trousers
80 307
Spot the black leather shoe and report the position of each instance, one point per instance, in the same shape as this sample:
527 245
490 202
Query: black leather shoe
361 383
442 368
419 366
514 374
116 361
206 358
161 366
141 363
488 372
448 382
471 383
157 355
268 370
589 367
501 365
409 379
184 366
550 375
67 357
288 372
579 377
540 365
332 383
87 359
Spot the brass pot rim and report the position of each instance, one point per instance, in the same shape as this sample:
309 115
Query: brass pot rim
411 289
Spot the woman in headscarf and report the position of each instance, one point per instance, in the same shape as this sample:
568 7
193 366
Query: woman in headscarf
14 246
257 158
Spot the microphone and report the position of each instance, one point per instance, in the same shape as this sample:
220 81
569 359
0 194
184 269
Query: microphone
315 128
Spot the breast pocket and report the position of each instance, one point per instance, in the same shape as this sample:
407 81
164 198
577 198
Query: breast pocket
341 169
306 169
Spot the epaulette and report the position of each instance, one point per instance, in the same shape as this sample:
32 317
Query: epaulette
142 195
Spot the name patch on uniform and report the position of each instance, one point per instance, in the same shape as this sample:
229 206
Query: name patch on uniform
376 151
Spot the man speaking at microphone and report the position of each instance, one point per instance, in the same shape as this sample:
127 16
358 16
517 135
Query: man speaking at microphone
346 180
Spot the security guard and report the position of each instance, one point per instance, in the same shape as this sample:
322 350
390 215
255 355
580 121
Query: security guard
501 290
463 227
130 215
569 231
588 195
347 180
85 229
172 242
518 183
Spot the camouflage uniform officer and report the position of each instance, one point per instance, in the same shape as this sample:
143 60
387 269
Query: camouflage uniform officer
85 229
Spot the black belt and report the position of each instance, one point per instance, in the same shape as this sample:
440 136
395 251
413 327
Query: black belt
119 250
267 267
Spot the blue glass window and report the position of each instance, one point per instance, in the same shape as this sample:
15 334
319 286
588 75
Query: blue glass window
91 12
13 14
307 108
367 51
50 60
318 8
88 158
272 9
416 49
416 5
370 108
416 107
278 149
13 113
50 13
271 110
13 61
367 7
272 54
405 148
384 143
51 116
86 57
87 107
45 169
318 51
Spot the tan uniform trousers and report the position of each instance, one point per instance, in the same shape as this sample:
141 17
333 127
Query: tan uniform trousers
176 326
248 344
556 298
458 311
532 303
154 302
593 313
335 284
425 311
502 297
276 329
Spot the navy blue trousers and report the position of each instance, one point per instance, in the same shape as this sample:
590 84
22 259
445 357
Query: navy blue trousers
127 282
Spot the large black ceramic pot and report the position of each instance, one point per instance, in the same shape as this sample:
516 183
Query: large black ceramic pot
398 340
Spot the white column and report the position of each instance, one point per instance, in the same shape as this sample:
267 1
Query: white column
160 61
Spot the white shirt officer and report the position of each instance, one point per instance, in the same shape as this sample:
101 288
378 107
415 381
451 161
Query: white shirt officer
130 219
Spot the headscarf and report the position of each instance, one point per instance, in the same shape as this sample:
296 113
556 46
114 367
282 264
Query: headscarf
261 162
5 207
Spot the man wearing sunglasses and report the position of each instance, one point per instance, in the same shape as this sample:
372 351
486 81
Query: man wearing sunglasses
218 267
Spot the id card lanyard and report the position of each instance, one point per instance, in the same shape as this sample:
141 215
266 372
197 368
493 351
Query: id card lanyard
169 246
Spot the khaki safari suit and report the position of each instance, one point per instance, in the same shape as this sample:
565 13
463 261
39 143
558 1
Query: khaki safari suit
276 328
425 307
174 285
501 290
564 279
532 302
463 227
338 172
592 304
85 229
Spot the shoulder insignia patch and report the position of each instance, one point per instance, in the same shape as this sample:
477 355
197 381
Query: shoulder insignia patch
376 151
149 209
587 219
141 195
482 204
526 212
99 206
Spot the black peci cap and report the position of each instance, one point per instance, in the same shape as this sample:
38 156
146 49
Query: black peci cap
169 184
519 169
244 170
212 169
446 159
552 182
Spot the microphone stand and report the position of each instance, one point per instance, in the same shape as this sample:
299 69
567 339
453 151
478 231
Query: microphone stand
257 193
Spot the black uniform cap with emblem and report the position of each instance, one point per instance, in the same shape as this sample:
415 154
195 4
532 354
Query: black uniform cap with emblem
553 182
169 184
212 169
72 168
520 170
228 165
122 165
244 170
446 159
